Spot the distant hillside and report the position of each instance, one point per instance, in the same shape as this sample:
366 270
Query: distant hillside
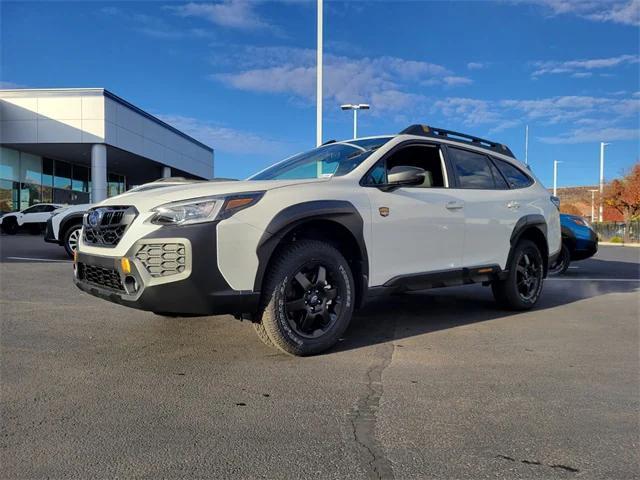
577 201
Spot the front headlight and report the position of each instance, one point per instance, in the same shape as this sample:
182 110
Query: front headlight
580 221
205 209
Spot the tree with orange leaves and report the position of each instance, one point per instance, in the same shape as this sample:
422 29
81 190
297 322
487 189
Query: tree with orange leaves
624 195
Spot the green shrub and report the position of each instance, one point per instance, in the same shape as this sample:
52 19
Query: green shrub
616 239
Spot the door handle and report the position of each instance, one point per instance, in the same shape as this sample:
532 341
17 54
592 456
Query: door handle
453 205
513 205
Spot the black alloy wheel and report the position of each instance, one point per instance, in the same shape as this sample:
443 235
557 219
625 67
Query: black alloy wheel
528 276
312 300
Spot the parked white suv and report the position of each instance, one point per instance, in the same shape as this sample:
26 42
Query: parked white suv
33 218
298 246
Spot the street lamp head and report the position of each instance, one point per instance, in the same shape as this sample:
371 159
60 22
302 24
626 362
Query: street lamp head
355 106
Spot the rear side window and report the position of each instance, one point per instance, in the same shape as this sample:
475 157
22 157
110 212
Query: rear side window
515 177
473 170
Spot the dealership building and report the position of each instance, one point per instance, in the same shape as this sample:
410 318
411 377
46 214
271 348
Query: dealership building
84 145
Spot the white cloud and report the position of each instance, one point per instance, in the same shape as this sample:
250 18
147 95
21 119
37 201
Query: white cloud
10 85
453 81
583 66
622 12
223 138
383 81
477 65
238 14
593 135
593 114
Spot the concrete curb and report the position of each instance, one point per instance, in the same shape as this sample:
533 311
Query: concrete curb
612 244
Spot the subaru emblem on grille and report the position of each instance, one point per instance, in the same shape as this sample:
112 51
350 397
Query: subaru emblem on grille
95 217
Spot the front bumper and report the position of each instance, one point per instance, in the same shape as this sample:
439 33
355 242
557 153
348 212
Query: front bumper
198 289
586 246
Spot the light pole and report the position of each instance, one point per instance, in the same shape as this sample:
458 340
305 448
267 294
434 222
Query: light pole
526 145
593 212
319 79
555 177
355 108
600 208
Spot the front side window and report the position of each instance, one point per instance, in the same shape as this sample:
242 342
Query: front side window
334 159
426 157
473 170
515 177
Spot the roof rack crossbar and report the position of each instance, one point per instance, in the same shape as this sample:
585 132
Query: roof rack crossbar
435 132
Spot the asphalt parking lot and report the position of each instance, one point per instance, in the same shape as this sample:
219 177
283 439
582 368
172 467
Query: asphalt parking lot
440 384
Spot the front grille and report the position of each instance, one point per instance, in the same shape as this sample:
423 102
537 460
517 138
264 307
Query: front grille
105 226
102 277
162 259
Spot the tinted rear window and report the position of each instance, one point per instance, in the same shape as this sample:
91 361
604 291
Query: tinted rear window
515 177
472 169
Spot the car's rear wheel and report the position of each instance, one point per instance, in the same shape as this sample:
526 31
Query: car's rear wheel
308 298
561 263
10 226
71 239
521 289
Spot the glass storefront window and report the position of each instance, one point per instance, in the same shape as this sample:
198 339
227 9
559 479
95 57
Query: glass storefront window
29 195
115 184
47 172
80 182
9 196
30 168
62 177
9 164
47 194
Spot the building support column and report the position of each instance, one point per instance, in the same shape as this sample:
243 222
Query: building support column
98 172
166 172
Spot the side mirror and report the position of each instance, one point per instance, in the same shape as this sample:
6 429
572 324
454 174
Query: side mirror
403 175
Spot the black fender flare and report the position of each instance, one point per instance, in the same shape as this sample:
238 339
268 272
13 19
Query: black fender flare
339 211
69 220
524 224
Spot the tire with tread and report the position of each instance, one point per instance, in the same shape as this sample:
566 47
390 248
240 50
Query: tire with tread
262 334
10 226
274 317
506 291
67 235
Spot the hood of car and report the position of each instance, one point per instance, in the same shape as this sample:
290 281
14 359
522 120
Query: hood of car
147 200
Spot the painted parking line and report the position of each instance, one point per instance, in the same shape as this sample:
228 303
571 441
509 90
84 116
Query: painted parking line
595 279
38 259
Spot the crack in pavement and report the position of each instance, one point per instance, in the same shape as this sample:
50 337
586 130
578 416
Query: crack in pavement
363 417
559 466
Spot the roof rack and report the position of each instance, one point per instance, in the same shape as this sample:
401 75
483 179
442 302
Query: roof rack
435 132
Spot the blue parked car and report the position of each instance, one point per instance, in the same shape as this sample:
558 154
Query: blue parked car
579 242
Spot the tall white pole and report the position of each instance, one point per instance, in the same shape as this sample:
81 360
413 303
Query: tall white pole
600 207
526 145
355 123
593 210
555 177
319 79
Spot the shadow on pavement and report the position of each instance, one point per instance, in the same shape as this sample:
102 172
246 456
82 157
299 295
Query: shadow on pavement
416 313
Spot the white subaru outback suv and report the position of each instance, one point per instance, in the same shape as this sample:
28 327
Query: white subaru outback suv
298 246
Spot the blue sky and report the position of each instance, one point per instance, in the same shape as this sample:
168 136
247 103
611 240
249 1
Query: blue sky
240 75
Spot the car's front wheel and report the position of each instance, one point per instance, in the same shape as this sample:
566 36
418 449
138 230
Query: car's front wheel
71 239
309 298
521 289
10 226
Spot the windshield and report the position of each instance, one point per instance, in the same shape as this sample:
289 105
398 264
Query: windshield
325 161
